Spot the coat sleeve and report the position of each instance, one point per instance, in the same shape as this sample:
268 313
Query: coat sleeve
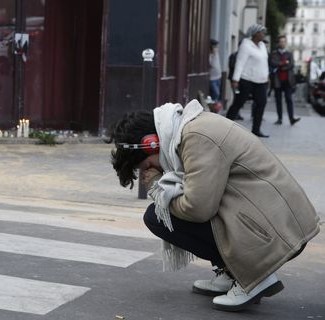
274 60
290 65
206 174
242 57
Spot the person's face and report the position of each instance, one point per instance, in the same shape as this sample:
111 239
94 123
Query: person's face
282 43
214 49
151 161
259 36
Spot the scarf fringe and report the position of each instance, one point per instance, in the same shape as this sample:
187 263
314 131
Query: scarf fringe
161 212
170 120
175 258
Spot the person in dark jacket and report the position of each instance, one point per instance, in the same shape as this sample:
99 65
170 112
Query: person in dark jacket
282 64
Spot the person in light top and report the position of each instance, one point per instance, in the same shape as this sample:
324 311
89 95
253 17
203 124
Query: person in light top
214 71
251 76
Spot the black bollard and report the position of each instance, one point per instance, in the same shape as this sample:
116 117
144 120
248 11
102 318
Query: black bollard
147 99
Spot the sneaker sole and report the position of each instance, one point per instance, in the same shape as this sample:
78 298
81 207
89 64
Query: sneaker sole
206 292
267 292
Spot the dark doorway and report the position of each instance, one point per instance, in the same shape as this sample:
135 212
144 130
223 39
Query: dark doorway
7 30
72 51
183 49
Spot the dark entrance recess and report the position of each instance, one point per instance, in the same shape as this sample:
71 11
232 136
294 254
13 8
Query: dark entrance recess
183 43
7 29
58 86
72 53
132 27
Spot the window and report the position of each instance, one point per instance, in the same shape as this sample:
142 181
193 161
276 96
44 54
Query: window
302 13
296 55
234 8
302 29
169 39
293 30
315 28
198 36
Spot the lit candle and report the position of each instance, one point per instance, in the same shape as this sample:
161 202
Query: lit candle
18 131
27 128
24 129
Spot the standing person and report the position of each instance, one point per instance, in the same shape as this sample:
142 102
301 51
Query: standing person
231 68
251 76
219 194
284 79
214 71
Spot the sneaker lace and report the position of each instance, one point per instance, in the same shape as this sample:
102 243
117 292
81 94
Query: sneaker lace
236 289
218 272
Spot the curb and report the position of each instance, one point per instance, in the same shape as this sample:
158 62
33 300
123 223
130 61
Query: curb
69 140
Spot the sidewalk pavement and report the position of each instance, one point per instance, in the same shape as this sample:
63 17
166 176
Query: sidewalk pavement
79 172
78 180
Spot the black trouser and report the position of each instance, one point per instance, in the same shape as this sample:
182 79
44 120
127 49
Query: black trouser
196 238
286 88
258 91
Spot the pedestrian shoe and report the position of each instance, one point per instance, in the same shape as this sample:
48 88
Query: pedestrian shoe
220 284
294 120
239 117
278 122
237 299
261 135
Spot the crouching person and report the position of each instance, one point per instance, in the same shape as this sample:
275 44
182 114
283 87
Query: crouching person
219 194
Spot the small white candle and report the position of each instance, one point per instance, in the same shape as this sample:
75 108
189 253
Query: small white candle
24 129
27 129
1 134
18 131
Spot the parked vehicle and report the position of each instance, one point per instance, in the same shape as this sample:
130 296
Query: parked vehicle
317 94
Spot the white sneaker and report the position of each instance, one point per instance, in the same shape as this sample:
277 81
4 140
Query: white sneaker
237 299
218 285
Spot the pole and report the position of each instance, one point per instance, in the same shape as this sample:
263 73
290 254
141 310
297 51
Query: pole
147 96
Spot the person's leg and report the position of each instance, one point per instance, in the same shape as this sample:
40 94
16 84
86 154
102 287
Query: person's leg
196 238
288 98
218 83
245 88
214 90
289 103
278 102
259 97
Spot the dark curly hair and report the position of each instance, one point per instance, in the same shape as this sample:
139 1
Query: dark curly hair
130 129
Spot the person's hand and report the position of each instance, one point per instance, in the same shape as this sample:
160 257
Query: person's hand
147 176
235 84
151 161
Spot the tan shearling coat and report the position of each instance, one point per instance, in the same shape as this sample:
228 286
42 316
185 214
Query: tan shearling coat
260 215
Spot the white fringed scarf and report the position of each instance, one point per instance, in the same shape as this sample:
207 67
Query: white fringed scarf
170 120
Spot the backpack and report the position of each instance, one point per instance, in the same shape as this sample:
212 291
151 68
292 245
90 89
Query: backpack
231 64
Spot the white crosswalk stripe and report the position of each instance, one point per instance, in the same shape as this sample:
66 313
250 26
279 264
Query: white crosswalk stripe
36 297
70 251
18 294
63 221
